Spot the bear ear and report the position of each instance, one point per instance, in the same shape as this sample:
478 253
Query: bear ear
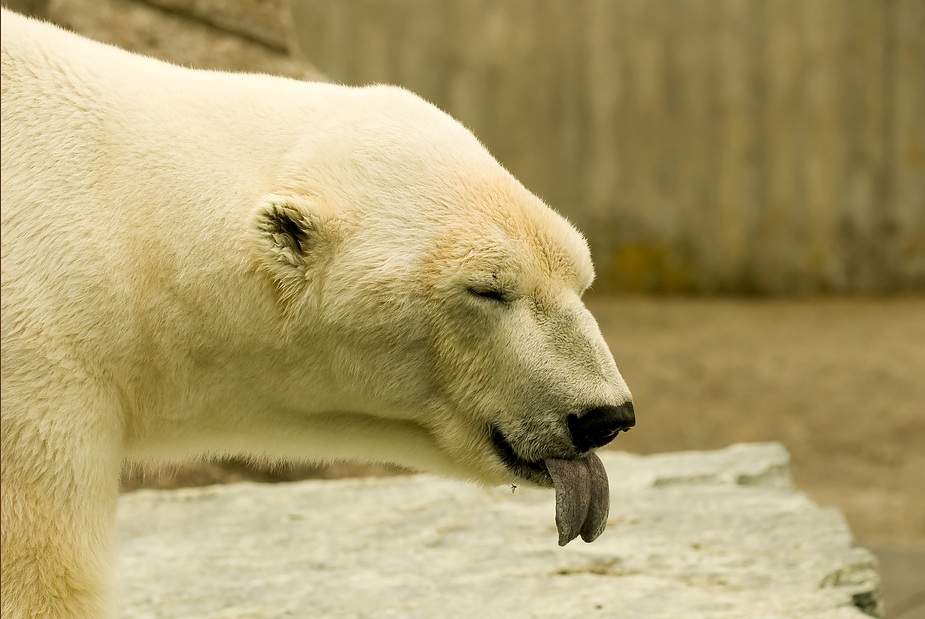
288 231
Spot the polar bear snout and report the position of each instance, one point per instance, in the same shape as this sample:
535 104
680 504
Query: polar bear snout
598 426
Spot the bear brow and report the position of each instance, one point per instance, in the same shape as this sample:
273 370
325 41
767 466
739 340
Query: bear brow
562 259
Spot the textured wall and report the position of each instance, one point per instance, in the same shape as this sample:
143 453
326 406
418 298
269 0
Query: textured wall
231 35
774 146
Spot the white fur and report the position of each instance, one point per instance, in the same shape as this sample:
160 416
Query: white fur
202 263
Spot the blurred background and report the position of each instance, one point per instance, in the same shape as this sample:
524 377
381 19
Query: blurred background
750 175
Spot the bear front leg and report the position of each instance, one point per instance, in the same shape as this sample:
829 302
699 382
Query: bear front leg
60 476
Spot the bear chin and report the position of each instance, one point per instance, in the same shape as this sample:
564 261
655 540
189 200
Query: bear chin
533 471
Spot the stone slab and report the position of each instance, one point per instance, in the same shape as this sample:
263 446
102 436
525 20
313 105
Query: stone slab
716 534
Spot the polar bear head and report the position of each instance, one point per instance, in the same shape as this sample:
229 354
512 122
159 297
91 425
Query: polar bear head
434 294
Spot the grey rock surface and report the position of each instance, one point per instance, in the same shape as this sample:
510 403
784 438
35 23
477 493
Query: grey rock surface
699 534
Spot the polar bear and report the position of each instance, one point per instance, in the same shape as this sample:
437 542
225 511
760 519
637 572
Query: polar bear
202 263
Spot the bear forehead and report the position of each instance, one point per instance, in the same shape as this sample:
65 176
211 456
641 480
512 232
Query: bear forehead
494 223
414 169
461 181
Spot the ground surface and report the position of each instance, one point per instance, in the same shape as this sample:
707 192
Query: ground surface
714 534
841 383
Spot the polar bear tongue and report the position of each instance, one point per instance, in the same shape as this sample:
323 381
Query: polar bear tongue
582 497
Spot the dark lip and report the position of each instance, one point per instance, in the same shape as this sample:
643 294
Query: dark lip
531 470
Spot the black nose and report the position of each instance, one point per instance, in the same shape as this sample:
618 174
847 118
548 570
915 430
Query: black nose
600 425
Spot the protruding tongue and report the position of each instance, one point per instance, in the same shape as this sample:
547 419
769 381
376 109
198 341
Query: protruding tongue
582 497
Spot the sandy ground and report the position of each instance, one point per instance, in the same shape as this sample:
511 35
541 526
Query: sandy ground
841 383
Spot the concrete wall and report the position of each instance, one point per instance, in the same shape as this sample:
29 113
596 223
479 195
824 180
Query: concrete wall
715 145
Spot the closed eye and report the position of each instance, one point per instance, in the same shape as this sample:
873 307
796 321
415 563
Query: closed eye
489 294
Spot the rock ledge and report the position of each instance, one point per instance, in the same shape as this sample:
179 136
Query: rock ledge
697 534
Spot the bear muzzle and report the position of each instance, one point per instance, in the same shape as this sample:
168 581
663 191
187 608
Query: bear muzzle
582 489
